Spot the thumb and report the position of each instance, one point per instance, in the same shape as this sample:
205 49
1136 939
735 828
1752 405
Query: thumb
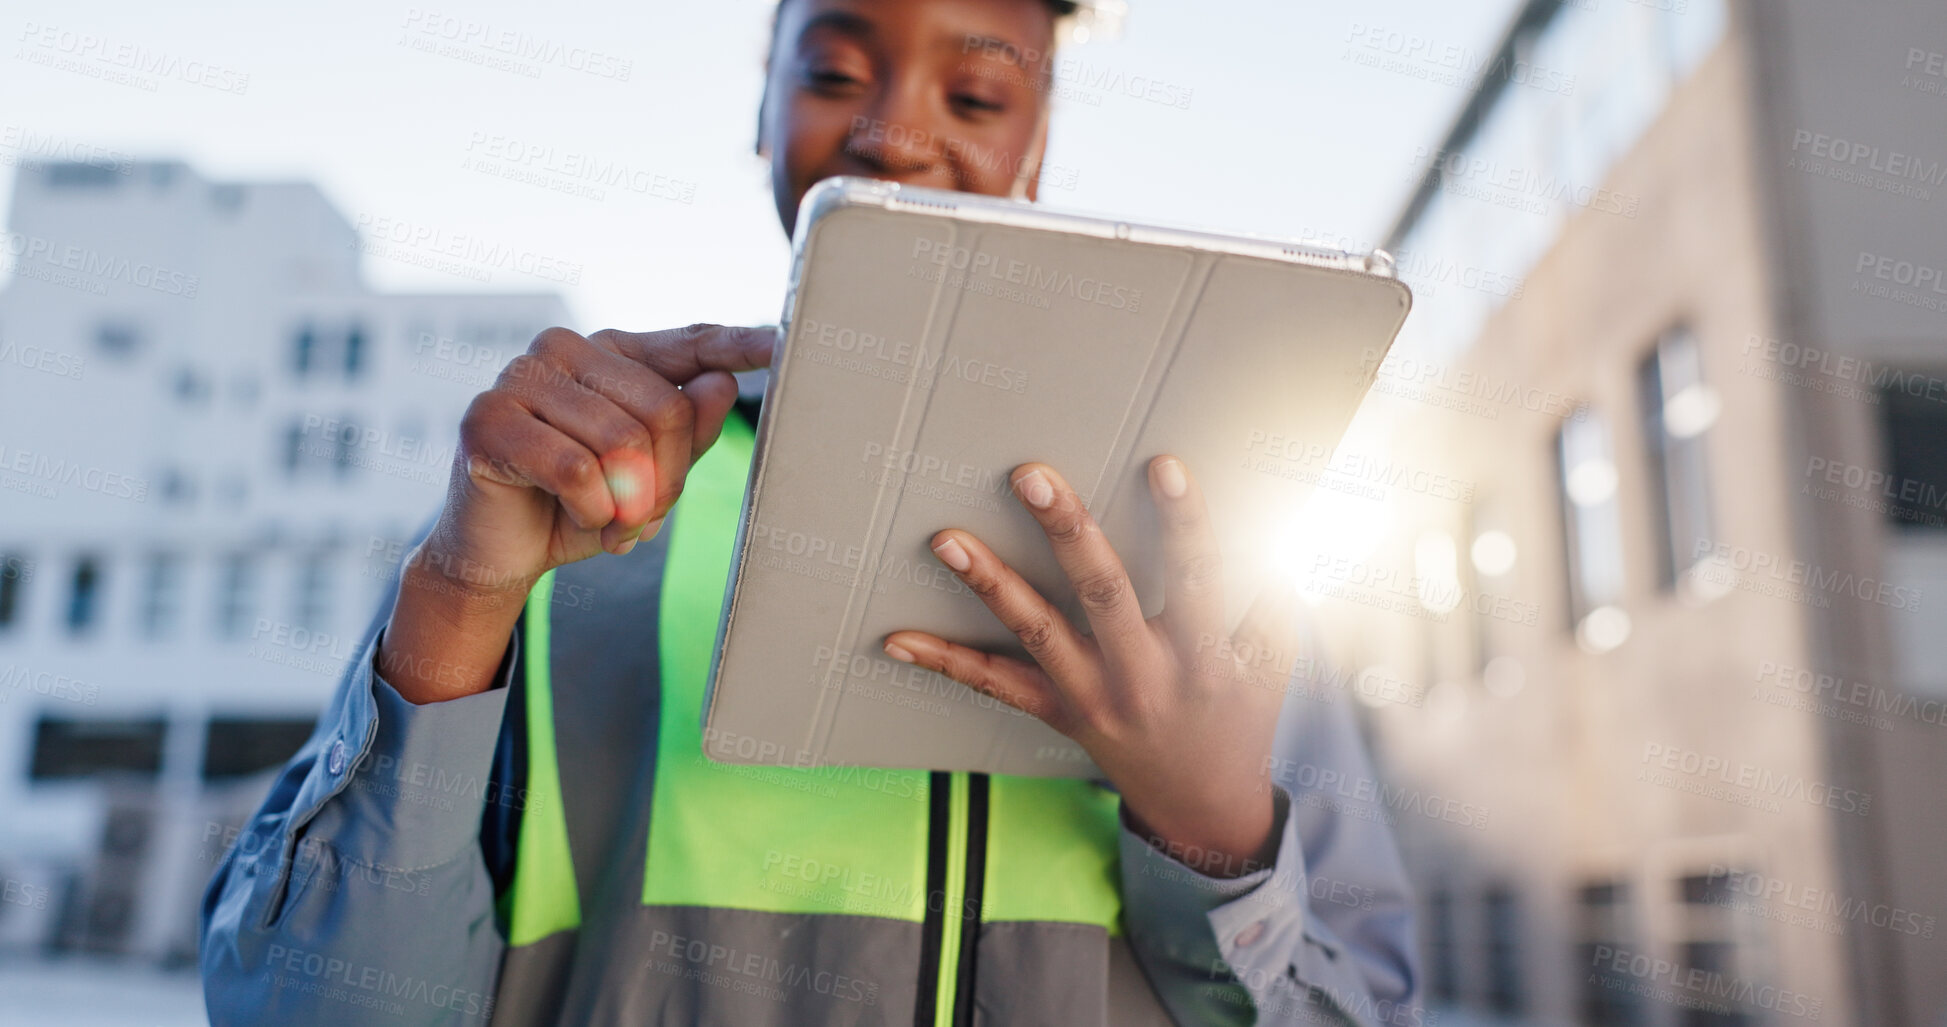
711 394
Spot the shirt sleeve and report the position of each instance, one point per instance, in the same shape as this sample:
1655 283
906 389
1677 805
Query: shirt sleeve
359 887
1324 935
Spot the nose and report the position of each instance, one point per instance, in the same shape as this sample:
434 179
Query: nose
900 136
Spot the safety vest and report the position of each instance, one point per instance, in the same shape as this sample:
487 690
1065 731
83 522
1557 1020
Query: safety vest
952 852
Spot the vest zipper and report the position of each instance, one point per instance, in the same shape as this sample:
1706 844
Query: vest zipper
956 868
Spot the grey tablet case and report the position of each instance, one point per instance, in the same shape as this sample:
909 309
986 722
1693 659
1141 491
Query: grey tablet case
932 342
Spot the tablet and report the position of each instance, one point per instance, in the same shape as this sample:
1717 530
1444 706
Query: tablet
933 341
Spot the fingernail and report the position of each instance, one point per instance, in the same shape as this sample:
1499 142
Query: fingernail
623 549
1036 490
1169 474
953 555
898 652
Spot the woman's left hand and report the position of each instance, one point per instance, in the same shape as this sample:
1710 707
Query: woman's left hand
1180 726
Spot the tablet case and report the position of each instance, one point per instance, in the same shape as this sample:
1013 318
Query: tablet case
932 342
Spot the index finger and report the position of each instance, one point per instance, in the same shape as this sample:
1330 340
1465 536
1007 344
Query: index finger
680 354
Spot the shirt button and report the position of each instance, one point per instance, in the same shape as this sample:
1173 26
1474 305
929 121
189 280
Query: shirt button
335 763
1249 936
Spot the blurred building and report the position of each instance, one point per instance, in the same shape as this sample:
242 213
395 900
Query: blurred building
214 440
1645 581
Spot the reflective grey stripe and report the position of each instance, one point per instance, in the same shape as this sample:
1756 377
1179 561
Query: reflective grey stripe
790 970
533 981
604 662
695 965
682 965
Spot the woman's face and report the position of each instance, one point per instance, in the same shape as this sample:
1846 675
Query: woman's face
943 93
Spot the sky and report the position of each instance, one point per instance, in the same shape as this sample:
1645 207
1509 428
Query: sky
1269 118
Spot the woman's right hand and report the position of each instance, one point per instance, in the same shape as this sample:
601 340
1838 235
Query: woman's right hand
580 447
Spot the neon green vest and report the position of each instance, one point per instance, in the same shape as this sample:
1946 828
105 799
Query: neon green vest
827 841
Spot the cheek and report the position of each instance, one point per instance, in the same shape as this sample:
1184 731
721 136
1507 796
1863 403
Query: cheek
993 166
816 139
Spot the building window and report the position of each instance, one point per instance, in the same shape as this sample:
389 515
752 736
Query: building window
1504 991
83 175
1678 410
1592 528
68 749
161 599
304 351
84 595
15 572
354 352
237 595
342 445
239 747
177 488
116 339
313 592
1916 455
1442 949
1609 997
1707 950
190 387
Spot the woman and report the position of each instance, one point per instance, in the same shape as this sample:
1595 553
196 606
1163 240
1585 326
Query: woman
496 818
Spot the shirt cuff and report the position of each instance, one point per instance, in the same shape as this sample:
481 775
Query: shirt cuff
1173 907
418 786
